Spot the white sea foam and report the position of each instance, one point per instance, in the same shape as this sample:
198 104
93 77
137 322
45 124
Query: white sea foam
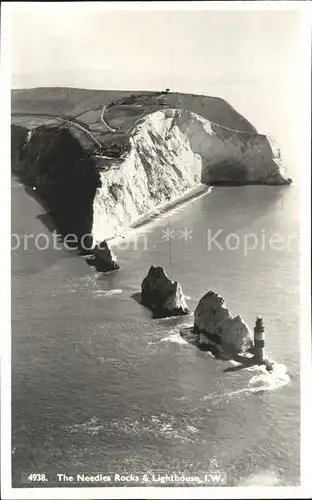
164 425
186 325
269 381
263 478
89 427
191 428
234 363
108 360
107 293
90 279
172 336
261 382
175 338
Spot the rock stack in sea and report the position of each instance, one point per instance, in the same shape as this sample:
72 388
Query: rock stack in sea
163 296
105 259
215 325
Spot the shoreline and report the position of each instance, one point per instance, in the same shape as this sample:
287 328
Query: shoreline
165 209
192 193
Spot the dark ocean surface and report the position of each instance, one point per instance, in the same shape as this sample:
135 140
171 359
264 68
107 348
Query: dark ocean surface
98 386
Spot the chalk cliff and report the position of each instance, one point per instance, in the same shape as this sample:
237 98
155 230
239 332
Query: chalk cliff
162 156
172 151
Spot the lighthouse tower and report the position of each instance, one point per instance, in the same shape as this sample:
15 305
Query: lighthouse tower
259 333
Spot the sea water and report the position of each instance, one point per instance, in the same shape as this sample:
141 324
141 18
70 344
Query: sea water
98 386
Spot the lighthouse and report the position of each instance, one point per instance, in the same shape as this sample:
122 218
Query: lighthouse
259 341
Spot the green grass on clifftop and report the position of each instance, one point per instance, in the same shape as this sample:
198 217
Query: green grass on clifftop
123 106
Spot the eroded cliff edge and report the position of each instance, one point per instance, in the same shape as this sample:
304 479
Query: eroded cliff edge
160 157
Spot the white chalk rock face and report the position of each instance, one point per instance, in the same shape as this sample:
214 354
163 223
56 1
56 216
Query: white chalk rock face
105 259
171 152
215 323
176 300
163 296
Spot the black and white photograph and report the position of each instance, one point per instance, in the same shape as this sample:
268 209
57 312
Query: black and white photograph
156 325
